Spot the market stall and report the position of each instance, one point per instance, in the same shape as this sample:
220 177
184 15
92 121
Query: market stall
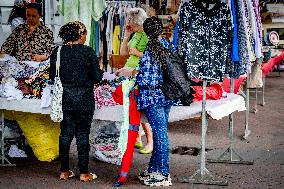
245 54
19 109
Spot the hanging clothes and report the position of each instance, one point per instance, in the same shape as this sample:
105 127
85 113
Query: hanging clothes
82 10
239 66
235 47
255 77
175 35
248 22
98 7
116 34
205 39
244 62
258 40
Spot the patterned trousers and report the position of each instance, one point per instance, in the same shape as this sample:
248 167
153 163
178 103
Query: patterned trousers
158 117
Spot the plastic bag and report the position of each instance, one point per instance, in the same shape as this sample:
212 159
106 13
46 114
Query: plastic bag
105 142
41 133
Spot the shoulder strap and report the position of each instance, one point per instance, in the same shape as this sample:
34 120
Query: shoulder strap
58 61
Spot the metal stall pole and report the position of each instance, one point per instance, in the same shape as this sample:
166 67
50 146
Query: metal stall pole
247 131
230 156
254 110
4 160
202 175
147 7
263 87
246 97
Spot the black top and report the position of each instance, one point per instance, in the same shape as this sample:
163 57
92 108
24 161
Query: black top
79 71
205 39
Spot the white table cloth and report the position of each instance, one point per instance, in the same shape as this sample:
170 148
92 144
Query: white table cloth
217 109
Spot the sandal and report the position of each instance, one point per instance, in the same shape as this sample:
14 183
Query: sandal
138 145
88 177
146 150
66 175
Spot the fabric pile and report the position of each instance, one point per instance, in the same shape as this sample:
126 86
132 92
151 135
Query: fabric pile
103 91
40 79
9 89
29 77
103 96
213 92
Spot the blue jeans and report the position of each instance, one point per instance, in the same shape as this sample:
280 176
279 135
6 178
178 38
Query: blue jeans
158 117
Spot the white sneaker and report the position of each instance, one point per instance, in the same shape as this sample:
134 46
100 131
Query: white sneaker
157 179
144 175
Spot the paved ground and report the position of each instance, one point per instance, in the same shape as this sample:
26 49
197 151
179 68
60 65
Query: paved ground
265 146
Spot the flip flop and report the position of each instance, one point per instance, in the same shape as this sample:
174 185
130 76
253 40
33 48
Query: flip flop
138 145
88 177
66 175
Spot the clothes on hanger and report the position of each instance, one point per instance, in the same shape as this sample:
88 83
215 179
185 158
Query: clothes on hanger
83 10
205 34
247 34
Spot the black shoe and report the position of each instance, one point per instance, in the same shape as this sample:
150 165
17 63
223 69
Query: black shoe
117 184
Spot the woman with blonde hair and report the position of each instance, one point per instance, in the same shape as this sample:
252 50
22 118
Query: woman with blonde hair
135 47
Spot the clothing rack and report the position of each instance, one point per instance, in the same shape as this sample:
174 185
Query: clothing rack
203 175
230 156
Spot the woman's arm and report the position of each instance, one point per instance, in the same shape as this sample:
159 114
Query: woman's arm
135 52
124 45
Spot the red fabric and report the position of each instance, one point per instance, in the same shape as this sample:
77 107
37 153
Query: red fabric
128 155
267 67
134 114
237 84
213 92
117 95
134 120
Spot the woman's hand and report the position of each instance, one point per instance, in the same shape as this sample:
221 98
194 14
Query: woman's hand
134 73
128 31
2 54
134 51
39 58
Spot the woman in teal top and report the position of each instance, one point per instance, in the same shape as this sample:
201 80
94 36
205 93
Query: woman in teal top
135 48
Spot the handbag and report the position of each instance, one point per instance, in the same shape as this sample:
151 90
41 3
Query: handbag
176 85
56 113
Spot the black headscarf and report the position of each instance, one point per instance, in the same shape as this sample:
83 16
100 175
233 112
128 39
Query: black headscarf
153 28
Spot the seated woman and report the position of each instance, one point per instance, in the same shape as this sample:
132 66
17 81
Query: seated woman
31 40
